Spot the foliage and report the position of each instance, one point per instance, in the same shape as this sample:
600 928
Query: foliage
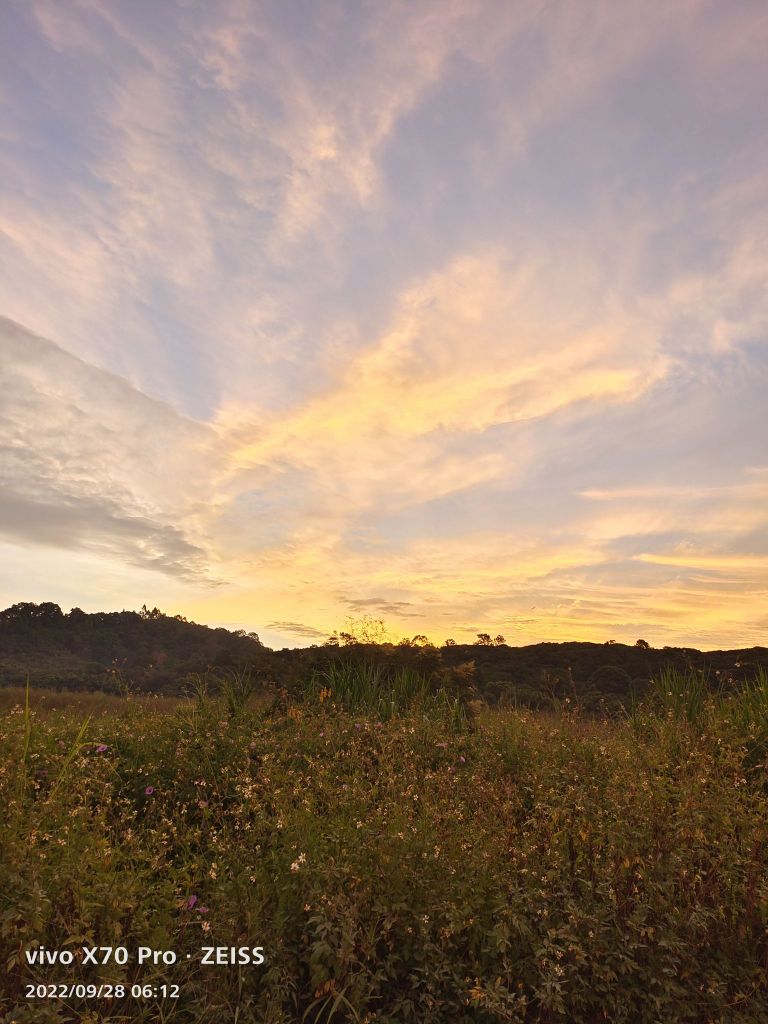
538 868
148 651
370 689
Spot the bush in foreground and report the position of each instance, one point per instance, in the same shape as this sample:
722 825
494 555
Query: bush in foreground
536 868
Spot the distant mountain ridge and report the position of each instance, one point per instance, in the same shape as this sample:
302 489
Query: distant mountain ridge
153 652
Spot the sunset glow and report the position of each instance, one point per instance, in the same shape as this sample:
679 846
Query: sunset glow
452 314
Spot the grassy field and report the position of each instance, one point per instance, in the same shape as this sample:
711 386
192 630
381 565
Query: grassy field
398 857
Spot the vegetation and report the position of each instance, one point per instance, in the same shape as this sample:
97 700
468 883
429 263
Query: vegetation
150 652
396 860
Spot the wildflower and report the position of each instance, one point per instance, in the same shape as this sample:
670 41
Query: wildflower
191 902
102 748
301 859
462 759
358 725
149 791
203 910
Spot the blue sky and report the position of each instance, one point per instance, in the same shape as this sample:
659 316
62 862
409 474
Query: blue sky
452 313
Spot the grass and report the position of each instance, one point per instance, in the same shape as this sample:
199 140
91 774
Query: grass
45 701
374 690
397 860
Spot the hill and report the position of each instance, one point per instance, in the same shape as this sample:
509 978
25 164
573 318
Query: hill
154 652
101 651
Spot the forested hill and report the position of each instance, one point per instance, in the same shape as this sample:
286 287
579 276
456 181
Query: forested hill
151 651
106 649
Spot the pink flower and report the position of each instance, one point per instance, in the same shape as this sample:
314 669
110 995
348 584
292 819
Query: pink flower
102 748
191 902
149 791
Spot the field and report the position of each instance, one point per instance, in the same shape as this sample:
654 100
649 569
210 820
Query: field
400 856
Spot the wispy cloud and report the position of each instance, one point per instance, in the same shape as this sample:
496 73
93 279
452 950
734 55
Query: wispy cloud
298 629
446 310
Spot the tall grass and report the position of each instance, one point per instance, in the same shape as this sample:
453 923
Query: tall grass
681 695
748 709
372 689
538 869
746 714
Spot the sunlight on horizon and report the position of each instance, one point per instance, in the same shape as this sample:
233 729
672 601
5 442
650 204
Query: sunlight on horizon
453 315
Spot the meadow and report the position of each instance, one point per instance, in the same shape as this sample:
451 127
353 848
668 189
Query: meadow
400 855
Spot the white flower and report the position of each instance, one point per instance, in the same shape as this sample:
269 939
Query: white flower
301 859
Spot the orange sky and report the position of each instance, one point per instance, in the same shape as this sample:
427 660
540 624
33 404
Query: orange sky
452 314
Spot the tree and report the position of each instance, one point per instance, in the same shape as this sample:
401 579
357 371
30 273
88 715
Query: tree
484 639
30 612
644 644
499 640
365 630
450 643
145 613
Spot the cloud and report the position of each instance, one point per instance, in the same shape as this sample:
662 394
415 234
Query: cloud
298 629
89 463
102 528
380 604
472 348
458 305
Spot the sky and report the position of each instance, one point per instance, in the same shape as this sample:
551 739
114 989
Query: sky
451 314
